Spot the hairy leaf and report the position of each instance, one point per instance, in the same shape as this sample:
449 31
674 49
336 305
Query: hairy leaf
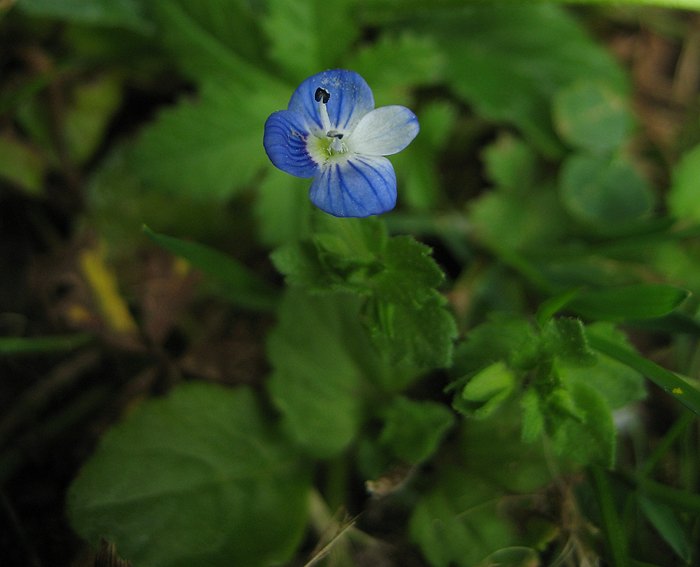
196 478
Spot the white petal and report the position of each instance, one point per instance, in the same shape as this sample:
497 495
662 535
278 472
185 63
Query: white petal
384 131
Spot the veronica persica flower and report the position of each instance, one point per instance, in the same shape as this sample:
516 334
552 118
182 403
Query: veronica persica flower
332 132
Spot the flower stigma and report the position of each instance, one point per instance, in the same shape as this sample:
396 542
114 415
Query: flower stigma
332 144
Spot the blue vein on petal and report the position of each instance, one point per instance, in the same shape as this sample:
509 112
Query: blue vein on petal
360 207
295 141
381 172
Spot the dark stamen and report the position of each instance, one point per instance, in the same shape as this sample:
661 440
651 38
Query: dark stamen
322 95
334 134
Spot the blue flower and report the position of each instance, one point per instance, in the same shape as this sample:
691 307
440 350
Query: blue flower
332 132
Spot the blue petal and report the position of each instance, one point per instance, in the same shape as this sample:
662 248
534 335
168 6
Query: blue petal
351 98
358 187
285 143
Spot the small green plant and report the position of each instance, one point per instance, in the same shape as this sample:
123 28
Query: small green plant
474 377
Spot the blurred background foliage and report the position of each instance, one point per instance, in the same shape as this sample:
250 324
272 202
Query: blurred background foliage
199 369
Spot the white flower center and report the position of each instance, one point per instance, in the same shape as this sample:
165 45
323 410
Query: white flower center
324 148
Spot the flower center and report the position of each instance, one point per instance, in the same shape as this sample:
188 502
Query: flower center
330 146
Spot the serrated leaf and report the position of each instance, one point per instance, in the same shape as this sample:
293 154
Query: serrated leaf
683 196
591 116
590 438
486 391
637 301
397 276
421 334
533 419
235 282
603 191
306 35
196 478
617 383
322 360
120 13
566 340
208 148
512 340
413 430
214 40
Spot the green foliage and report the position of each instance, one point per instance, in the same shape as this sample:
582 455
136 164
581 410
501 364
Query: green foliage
322 362
118 13
602 190
590 117
492 336
235 282
413 430
207 148
306 36
490 51
395 276
683 197
196 478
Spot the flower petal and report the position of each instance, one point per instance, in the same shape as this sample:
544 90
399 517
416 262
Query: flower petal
384 131
350 98
285 143
357 187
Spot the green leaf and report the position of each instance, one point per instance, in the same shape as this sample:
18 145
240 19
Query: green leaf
118 13
208 148
196 478
417 166
394 65
510 339
617 383
509 63
306 35
671 383
397 277
604 192
420 335
282 209
22 165
683 197
458 522
214 40
14 346
526 221
118 206
486 391
589 439
637 301
413 430
664 519
236 282
511 164
565 338
591 116
463 518
86 120
322 361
